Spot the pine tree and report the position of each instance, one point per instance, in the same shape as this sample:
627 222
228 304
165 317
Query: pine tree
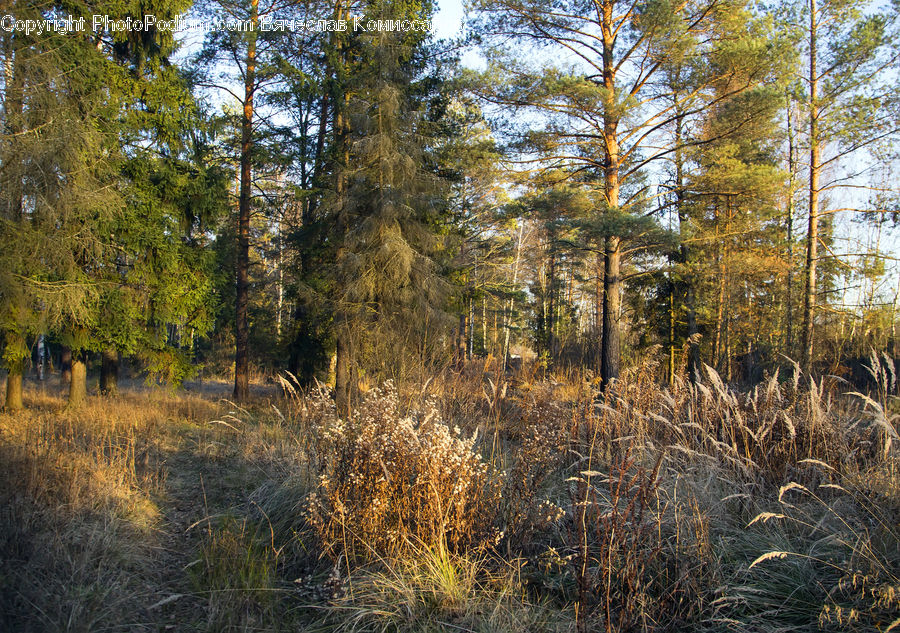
849 48
605 113
258 60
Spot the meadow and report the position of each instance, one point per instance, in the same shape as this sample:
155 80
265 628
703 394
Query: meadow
471 501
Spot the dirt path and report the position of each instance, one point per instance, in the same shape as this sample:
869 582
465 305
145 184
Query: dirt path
205 479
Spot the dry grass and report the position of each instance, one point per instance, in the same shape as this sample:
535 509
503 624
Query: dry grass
475 501
96 503
432 590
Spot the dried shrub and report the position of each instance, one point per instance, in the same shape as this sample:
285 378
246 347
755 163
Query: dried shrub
615 539
389 482
539 460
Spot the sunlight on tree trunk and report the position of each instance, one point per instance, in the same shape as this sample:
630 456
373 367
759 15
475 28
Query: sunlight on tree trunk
812 235
241 327
342 378
14 386
78 386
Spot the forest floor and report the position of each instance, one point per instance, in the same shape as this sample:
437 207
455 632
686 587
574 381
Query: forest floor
469 503
106 510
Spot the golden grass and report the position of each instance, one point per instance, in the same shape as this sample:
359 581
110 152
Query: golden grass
474 501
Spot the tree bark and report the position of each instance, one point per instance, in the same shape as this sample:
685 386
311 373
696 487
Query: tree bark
15 371
484 325
718 345
812 235
610 352
551 301
789 316
343 354
13 109
507 317
109 372
65 365
461 340
242 273
672 333
342 378
598 314
686 280
78 385
609 369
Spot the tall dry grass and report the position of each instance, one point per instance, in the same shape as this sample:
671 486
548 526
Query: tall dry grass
474 501
79 512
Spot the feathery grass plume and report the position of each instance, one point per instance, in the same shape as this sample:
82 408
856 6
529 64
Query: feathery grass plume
768 556
851 542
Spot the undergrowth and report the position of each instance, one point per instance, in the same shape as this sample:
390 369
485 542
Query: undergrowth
476 501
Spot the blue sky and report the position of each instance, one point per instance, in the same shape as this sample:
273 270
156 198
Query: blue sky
448 20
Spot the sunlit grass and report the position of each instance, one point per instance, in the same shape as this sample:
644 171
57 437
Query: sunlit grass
473 502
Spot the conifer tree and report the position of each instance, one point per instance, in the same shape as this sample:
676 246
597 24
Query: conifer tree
849 47
387 201
604 112
58 185
253 57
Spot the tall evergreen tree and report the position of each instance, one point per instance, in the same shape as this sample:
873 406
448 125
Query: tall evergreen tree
849 47
386 201
605 111
58 184
260 60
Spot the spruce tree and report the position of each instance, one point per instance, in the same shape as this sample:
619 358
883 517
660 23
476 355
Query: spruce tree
57 164
387 201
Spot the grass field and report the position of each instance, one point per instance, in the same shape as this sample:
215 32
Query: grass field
473 502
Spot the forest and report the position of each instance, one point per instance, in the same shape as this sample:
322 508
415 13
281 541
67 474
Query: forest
429 315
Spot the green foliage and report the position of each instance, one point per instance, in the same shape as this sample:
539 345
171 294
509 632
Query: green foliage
388 207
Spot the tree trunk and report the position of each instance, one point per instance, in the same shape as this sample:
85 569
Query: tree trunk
14 385
686 280
461 339
609 370
342 378
693 337
341 130
551 301
598 314
13 105
612 284
484 325
789 316
242 273
109 372
717 349
507 317
65 365
470 337
78 385
672 333
812 236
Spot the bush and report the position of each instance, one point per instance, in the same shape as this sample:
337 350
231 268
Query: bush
390 482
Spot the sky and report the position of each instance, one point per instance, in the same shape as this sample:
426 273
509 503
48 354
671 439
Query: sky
448 21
